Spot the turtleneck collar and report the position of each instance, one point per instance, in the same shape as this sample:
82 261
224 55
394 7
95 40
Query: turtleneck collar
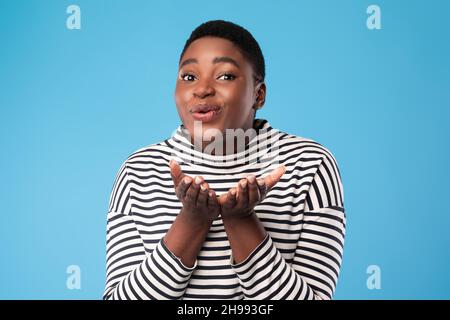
255 150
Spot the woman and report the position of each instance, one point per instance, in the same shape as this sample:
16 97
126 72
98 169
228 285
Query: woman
228 207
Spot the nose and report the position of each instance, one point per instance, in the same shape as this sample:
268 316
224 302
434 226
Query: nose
204 89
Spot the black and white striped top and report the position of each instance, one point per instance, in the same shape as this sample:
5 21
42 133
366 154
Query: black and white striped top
303 215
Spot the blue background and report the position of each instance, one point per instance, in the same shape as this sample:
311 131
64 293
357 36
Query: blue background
75 103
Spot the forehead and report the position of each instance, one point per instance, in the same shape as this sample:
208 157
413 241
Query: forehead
206 49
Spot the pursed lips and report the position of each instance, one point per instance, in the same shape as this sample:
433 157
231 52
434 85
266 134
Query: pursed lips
204 108
206 112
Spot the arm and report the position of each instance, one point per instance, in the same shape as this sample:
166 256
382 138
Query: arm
244 235
133 273
200 207
264 273
185 239
244 230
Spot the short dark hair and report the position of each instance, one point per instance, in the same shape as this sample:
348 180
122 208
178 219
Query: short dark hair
242 38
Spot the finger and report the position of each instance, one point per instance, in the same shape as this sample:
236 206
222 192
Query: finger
242 194
213 202
202 199
222 199
230 200
274 177
183 186
253 191
176 172
262 188
192 192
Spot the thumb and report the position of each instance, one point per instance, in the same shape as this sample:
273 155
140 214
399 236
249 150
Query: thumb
176 172
223 198
275 176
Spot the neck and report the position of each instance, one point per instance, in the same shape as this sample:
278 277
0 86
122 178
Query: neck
228 142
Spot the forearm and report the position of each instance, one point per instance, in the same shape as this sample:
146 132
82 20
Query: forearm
185 238
244 235
134 274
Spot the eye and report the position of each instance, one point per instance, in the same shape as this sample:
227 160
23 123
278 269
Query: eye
187 77
228 76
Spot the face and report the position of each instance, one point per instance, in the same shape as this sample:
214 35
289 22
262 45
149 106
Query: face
216 87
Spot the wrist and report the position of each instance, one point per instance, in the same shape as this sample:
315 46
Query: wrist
188 218
239 219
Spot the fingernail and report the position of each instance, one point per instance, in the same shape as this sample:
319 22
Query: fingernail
251 179
198 180
187 180
244 184
203 187
233 191
261 182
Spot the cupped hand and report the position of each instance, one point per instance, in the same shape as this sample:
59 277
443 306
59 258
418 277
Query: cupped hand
200 204
240 201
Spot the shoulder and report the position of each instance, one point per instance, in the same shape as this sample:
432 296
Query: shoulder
151 152
319 163
295 145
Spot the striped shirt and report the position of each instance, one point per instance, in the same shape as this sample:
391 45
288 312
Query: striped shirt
303 215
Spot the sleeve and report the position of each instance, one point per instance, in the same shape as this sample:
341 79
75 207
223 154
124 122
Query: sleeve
131 271
313 273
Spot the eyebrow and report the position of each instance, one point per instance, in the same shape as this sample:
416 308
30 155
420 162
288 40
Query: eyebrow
215 60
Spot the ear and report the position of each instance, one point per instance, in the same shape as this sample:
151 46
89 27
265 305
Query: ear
260 93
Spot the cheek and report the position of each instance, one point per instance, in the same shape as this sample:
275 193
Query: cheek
181 102
181 98
239 97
